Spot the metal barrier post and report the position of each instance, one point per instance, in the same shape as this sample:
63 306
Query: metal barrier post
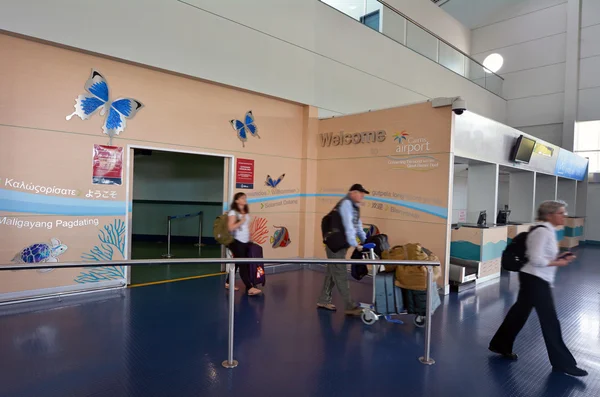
200 234
168 254
230 362
426 359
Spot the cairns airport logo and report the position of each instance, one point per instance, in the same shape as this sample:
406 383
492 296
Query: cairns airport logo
405 143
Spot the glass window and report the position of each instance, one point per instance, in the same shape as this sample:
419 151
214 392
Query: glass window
587 143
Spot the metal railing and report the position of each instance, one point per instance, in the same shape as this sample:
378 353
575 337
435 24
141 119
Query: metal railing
385 19
230 362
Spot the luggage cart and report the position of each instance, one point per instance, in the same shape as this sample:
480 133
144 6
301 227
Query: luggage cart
369 315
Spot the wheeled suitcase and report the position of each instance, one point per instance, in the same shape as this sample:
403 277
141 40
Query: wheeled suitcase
416 301
388 297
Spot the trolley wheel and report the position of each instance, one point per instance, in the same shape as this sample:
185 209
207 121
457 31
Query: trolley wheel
419 321
368 317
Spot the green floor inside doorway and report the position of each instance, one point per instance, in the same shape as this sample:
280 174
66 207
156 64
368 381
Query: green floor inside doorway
154 273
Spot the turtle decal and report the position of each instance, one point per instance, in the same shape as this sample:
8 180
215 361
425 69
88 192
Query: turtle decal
41 253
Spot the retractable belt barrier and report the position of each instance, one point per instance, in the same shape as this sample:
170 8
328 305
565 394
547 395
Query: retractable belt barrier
170 217
230 362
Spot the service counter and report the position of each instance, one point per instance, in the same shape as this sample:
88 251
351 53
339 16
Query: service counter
477 249
572 233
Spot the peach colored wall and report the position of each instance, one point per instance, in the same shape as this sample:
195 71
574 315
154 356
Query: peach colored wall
40 147
408 184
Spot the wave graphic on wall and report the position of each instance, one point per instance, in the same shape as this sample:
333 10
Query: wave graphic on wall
14 201
474 252
573 231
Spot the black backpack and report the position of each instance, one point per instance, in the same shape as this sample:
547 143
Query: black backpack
381 243
332 229
514 256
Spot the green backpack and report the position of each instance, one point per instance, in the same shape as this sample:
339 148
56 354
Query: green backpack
221 231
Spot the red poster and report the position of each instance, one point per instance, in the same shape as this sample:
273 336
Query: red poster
244 174
107 165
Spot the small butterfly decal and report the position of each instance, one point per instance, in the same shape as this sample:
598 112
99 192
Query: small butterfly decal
273 182
243 128
99 98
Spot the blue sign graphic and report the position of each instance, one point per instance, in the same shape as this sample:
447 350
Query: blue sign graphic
570 165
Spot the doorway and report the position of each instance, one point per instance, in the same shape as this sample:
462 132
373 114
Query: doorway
175 198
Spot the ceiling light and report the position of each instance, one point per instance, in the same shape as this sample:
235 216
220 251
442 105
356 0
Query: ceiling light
493 63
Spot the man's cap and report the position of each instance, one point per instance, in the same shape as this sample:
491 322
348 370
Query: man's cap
359 188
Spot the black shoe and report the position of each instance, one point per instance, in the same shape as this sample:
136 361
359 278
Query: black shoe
509 356
571 371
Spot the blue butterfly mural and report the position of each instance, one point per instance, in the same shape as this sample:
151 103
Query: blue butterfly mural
98 98
274 182
245 128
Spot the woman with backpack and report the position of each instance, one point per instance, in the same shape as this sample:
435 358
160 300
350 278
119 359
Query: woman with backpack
239 227
536 279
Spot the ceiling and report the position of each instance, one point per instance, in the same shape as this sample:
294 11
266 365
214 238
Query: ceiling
474 13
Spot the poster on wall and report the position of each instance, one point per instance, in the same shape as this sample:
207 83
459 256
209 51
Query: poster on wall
107 165
244 174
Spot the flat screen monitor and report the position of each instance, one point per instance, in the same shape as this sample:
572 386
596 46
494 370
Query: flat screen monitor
482 220
502 218
522 150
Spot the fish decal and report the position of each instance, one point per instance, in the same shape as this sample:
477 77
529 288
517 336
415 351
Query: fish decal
281 237
274 182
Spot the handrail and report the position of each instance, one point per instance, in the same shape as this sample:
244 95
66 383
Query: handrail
385 4
209 261
230 362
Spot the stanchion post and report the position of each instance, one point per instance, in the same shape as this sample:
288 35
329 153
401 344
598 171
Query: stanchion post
168 254
426 359
200 234
230 362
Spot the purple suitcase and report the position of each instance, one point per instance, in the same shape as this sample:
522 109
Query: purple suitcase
257 270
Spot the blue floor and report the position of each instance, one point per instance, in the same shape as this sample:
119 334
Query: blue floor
170 340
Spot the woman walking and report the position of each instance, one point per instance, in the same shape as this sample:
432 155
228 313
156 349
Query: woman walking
239 226
536 280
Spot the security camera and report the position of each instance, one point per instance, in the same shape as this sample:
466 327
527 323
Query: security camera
459 106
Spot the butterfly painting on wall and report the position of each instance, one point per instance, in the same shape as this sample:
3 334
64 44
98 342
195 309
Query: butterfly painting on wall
274 182
98 98
248 126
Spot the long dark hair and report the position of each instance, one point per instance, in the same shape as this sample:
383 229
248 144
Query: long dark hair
236 207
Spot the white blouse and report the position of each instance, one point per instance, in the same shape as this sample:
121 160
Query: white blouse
542 248
241 234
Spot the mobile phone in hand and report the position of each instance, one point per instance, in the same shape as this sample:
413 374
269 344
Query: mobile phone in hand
566 255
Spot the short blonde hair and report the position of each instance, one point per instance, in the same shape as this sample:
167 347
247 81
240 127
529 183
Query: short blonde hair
550 207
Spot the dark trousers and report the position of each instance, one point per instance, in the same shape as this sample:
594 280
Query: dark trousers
536 293
240 250
336 275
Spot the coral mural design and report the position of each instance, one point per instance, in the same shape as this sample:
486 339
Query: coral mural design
112 237
259 231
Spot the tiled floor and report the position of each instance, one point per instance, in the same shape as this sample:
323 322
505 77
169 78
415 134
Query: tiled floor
151 250
170 339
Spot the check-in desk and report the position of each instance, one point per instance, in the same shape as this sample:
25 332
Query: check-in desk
475 253
572 232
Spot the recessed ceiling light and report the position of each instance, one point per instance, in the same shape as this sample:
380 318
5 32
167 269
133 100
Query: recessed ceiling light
493 63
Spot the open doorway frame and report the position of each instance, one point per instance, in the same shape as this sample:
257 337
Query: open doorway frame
228 189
